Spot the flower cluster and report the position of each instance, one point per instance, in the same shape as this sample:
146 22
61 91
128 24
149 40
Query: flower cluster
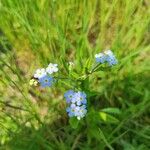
77 104
76 100
106 56
44 76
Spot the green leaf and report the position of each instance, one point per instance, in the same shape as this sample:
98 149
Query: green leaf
111 110
108 118
105 139
87 65
74 122
74 75
93 132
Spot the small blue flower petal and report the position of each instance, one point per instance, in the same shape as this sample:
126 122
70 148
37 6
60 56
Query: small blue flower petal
110 58
82 112
100 58
107 56
79 98
46 81
69 96
71 110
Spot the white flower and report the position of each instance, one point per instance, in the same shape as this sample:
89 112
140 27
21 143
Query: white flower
52 68
71 63
108 52
40 73
99 55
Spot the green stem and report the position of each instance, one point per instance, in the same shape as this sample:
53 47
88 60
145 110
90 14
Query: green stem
94 69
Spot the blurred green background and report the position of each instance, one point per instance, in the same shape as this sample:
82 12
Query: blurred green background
34 33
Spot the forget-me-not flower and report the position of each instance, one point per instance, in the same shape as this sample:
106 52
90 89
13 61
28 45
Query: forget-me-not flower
46 81
110 58
77 104
52 68
100 58
81 112
77 111
71 110
79 98
40 73
69 96
106 56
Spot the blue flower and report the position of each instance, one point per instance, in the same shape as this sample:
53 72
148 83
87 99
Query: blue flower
100 58
107 56
77 111
81 112
46 81
110 58
71 110
79 98
77 104
69 96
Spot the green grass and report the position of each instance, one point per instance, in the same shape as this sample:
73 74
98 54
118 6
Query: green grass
36 32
